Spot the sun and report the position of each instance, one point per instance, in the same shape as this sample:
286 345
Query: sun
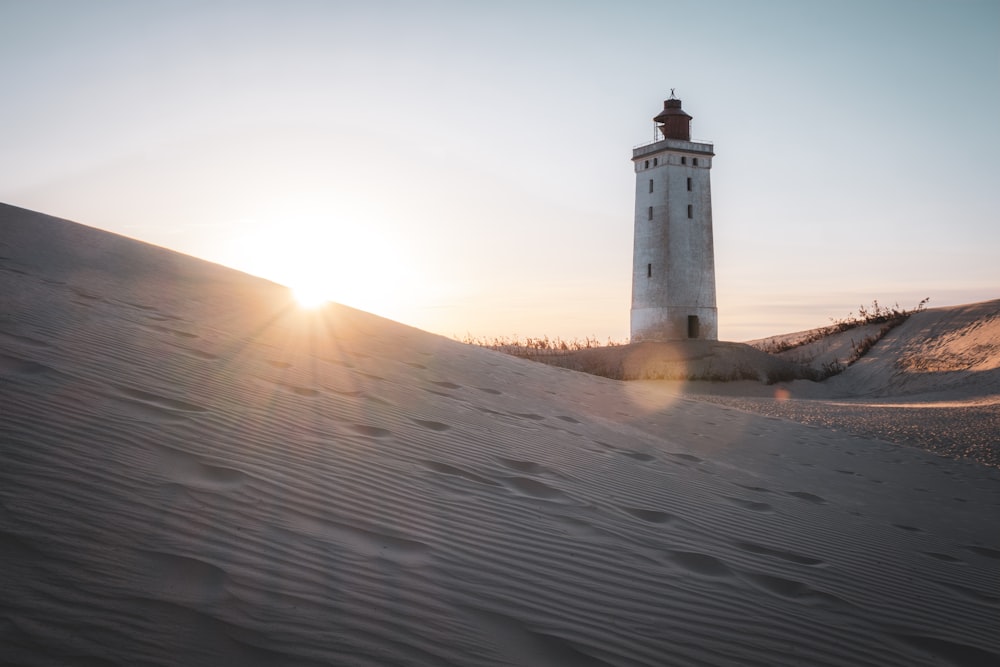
309 296
326 258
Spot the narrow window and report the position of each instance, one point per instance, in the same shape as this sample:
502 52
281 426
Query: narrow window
649 213
647 165
689 185
693 327
696 162
656 161
651 185
649 270
684 160
690 211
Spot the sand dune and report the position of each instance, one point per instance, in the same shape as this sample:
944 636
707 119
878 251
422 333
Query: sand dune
195 472
952 351
933 382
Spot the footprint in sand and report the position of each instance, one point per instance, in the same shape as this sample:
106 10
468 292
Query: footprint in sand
298 391
168 330
792 589
140 306
970 593
370 431
534 488
438 393
759 489
951 652
188 470
17 366
782 554
337 362
650 516
910 529
939 556
432 425
34 342
163 317
350 393
985 551
453 471
145 405
700 563
83 294
808 497
194 352
522 645
495 392
526 467
364 542
638 456
685 457
749 504
11 269
447 385
183 579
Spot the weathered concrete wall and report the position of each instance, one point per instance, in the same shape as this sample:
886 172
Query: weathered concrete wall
673 272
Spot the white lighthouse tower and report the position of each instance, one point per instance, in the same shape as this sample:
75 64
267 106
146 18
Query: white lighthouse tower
673 259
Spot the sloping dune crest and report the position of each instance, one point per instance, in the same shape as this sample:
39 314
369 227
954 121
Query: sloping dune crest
952 352
194 472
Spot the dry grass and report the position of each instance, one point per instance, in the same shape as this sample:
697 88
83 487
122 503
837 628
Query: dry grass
602 360
529 348
888 317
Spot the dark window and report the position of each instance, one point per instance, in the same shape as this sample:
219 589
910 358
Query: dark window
689 185
684 160
696 162
651 185
649 270
647 165
656 161
649 213
693 327
690 211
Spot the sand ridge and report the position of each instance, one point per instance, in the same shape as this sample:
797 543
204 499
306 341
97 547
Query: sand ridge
196 472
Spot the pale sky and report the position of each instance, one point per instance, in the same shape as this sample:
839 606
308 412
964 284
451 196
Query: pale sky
465 167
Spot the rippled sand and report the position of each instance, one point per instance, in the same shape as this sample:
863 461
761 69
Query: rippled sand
194 472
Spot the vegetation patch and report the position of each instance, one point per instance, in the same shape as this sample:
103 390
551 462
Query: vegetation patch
713 361
531 348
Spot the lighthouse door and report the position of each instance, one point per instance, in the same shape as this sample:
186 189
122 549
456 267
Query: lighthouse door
693 326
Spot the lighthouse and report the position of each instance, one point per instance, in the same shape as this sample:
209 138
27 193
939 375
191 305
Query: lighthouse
673 259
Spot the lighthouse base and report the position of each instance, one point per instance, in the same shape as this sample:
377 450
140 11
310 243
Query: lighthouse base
680 323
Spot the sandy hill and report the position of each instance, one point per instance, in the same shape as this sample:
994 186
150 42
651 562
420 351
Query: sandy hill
195 472
952 352
687 360
932 382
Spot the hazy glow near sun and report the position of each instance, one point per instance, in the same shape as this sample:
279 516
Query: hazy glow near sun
309 296
324 258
